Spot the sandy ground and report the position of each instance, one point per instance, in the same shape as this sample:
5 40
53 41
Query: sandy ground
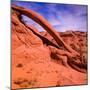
33 67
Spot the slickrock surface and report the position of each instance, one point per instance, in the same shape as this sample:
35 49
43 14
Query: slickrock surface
39 61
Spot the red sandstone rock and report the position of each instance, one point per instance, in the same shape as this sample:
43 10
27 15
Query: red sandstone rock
38 64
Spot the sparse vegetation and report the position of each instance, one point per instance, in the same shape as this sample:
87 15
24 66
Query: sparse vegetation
25 82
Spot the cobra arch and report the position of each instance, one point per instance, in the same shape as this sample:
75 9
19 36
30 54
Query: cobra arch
46 25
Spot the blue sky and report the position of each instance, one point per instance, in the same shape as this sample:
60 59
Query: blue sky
62 17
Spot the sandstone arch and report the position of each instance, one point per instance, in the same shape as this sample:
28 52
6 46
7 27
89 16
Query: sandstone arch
46 25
